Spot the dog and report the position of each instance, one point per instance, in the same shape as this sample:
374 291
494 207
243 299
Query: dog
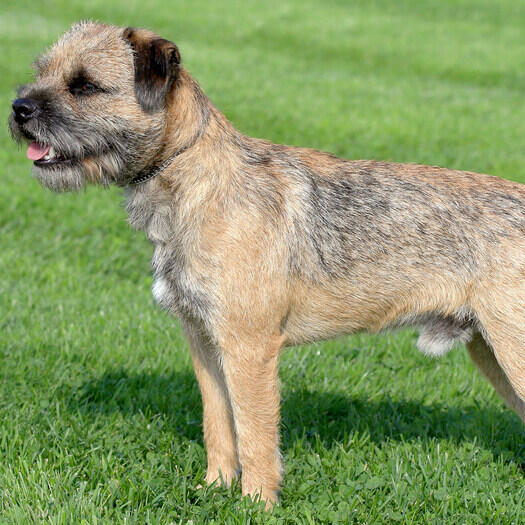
259 246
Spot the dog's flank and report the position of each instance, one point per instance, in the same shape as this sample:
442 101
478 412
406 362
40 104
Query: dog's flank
258 246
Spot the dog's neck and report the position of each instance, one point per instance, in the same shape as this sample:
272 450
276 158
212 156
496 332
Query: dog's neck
188 115
199 159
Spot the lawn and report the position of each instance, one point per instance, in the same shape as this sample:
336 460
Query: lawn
100 412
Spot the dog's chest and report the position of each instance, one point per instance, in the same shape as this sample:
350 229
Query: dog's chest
180 285
161 290
177 286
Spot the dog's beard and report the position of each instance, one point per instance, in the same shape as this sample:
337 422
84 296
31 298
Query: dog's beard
78 153
103 169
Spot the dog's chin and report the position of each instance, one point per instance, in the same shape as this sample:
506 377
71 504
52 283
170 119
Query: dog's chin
66 175
60 179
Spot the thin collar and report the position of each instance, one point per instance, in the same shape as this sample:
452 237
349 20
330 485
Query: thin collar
149 174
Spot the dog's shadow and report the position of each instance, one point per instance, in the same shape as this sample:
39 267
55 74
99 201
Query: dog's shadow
307 415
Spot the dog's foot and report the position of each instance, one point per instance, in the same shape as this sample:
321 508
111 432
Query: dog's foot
270 499
270 496
219 477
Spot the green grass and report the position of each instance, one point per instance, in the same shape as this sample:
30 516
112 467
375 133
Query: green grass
99 409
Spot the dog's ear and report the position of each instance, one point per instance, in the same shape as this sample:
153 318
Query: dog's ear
156 63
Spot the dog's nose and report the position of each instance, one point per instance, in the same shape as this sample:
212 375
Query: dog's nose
24 109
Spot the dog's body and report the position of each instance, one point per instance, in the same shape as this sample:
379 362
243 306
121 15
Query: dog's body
259 246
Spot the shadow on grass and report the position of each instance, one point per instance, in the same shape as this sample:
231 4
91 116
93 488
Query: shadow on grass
307 415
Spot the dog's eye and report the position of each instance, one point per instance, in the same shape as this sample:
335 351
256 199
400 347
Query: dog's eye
80 87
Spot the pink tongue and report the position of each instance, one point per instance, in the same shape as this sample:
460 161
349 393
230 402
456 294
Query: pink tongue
35 151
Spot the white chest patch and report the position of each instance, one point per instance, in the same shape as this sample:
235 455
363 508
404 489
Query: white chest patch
160 291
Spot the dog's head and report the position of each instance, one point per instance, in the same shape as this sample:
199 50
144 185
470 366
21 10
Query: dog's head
96 111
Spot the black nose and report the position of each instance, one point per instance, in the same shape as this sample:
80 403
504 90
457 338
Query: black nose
25 109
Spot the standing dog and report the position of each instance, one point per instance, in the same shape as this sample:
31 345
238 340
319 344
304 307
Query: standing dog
259 246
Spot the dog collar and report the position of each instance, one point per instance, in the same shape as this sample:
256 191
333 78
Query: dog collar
146 175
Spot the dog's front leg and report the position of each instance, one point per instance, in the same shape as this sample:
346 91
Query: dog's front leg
251 372
218 429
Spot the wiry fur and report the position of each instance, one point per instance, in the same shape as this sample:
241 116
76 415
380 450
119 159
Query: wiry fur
111 144
258 246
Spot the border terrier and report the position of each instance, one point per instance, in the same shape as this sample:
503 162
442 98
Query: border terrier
259 246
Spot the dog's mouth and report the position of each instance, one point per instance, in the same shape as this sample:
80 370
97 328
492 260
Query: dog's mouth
45 156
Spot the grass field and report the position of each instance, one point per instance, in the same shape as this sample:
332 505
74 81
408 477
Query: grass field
100 413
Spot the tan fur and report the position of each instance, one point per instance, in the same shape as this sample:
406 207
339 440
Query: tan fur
258 246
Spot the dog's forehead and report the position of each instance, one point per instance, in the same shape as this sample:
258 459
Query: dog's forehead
89 47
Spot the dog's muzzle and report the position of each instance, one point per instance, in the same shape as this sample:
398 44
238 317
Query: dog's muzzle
24 109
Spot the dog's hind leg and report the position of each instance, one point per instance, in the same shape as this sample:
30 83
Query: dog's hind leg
500 310
508 344
218 428
483 356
